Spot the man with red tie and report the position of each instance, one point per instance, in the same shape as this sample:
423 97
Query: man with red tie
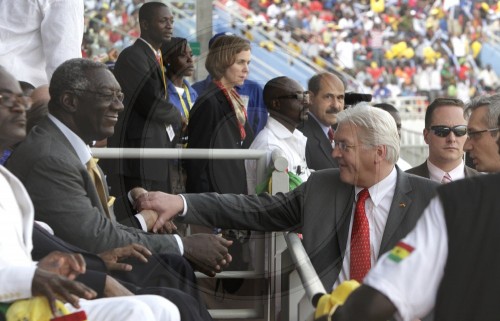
344 231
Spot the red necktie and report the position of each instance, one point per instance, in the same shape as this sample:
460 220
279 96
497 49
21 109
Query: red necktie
330 134
360 240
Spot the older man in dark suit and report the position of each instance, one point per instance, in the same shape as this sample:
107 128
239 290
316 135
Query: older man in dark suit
445 132
342 240
327 93
54 163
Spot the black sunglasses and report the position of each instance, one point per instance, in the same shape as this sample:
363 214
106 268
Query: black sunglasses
303 97
444 131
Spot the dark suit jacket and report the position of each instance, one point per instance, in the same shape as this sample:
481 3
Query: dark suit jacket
146 115
423 171
318 147
321 208
213 124
65 197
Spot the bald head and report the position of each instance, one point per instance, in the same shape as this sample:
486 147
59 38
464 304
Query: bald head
286 101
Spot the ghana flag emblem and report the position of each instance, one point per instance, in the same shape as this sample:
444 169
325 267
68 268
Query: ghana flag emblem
400 252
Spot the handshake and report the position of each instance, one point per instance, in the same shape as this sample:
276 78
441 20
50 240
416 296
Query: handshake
208 253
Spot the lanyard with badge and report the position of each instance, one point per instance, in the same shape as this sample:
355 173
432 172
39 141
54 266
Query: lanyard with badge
183 103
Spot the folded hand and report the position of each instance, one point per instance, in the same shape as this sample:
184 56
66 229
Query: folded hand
207 252
66 264
54 286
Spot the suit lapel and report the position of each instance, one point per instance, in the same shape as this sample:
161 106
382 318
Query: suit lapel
51 128
153 63
401 203
323 141
424 170
343 211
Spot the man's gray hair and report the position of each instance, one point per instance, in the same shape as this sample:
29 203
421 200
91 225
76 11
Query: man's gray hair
72 74
492 102
377 128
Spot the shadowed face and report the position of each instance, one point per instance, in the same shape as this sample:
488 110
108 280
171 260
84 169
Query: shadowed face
183 64
161 27
291 102
12 111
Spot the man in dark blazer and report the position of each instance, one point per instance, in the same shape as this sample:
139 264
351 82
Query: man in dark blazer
327 99
366 148
51 162
149 119
445 132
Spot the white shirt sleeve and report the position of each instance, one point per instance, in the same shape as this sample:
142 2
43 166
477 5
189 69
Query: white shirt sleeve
62 32
144 227
16 281
412 283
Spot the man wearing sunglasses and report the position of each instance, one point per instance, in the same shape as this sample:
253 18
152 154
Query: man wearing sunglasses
445 132
482 131
287 103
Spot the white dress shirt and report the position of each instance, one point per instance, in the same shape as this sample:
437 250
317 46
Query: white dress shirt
16 225
436 174
39 35
276 136
17 268
323 127
412 284
377 210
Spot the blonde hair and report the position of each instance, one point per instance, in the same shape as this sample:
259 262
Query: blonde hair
222 54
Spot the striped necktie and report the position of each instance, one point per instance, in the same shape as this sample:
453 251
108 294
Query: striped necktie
446 178
95 175
331 134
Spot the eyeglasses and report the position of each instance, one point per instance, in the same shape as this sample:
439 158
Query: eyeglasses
342 146
477 134
444 131
107 97
300 96
11 100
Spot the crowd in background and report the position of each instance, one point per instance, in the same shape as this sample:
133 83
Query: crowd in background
146 101
392 48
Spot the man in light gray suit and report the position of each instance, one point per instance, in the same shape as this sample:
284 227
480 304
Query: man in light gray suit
85 102
323 208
